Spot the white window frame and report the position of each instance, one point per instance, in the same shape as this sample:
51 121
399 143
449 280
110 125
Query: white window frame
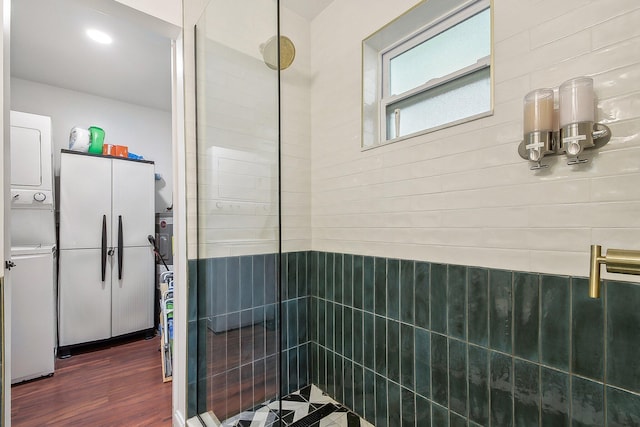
440 24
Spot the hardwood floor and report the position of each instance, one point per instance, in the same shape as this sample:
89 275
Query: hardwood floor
120 385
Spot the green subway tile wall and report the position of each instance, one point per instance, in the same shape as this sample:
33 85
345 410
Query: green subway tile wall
406 342
451 345
233 334
555 397
526 393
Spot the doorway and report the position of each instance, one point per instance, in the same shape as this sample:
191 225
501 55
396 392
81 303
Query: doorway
124 87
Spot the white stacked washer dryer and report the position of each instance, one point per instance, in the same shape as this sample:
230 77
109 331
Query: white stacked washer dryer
33 248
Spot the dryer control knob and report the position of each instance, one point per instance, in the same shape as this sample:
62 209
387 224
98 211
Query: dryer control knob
39 197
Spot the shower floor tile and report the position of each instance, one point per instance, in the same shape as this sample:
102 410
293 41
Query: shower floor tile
307 407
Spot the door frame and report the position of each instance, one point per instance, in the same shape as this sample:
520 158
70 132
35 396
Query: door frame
179 388
5 212
175 34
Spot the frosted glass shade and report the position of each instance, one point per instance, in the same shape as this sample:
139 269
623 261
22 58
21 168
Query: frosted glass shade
538 111
577 101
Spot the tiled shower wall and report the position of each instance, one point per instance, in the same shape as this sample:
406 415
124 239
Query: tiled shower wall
234 337
500 330
242 27
463 195
414 343
405 342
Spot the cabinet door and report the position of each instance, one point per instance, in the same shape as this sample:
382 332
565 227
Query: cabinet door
133 202
85 199
85 300
133 295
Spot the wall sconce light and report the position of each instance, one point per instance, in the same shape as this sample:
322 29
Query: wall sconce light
569 129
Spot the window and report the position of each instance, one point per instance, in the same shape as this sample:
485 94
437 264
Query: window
431 76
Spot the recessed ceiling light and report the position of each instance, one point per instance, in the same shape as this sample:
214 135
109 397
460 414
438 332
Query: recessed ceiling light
99 36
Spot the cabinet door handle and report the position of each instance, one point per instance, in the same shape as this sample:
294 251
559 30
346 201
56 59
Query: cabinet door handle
120 247
104 246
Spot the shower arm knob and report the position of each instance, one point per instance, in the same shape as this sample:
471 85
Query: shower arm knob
622 261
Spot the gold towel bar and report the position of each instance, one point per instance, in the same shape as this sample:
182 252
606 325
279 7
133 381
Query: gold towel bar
617 261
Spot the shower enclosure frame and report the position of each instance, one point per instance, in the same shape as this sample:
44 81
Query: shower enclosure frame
206 323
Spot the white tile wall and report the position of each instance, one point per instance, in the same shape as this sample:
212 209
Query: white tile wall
462 195
192 10
296 136
236 182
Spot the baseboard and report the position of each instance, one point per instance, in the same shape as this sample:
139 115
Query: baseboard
178 419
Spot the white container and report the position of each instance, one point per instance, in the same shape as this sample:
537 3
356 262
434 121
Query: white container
577 101
79 139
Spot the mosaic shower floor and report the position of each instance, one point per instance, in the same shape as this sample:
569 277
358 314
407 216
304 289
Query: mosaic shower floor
307 407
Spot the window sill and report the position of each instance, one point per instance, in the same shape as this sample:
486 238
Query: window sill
426 131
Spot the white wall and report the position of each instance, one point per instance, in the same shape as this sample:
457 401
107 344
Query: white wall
192 11
144 130
238 208
237 131
296 136
463 195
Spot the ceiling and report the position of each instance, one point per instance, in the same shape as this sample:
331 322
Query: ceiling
308 9
49 45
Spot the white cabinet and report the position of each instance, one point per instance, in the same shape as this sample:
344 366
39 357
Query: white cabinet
127 298
85 201
85 299
128 199
106 275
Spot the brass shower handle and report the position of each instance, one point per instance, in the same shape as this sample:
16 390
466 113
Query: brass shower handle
622 261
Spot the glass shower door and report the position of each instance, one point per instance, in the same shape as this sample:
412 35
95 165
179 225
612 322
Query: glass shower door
238 201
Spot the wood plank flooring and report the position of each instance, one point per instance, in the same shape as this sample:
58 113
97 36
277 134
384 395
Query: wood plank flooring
118 385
